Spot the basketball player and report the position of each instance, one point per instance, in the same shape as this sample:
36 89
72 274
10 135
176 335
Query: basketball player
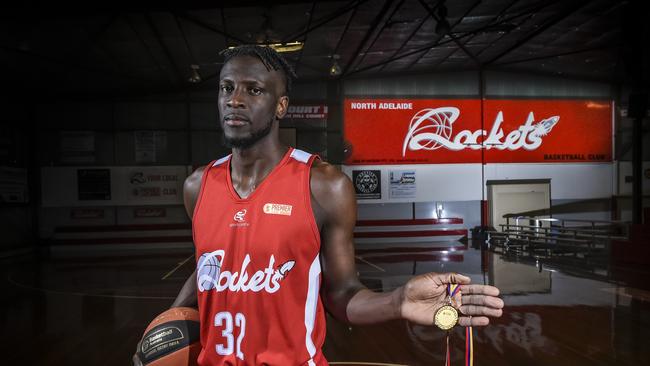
273 231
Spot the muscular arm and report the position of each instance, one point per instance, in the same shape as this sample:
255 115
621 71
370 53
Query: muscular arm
348 300
344 296
187 294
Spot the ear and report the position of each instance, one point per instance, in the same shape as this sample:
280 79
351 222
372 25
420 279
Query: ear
281 108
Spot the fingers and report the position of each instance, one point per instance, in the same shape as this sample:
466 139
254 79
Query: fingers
476 310
489 301
473 321
480 290
455 278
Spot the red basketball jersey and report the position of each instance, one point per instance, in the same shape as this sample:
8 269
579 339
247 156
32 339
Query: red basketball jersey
258 268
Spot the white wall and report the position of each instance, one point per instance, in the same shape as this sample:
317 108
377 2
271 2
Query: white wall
568 181
625 170
439 182
463 182
59 186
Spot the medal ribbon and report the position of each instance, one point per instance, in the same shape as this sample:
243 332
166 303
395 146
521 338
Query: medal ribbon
469 346
452 290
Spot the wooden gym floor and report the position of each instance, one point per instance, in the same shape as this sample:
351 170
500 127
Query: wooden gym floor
92 310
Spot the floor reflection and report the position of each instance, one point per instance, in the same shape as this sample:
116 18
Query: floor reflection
92 311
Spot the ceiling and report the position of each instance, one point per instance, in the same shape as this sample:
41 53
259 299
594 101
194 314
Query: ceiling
68 51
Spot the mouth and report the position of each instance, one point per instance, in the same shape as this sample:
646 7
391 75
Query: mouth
234 120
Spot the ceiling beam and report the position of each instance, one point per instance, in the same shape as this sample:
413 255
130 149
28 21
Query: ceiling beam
372 29
408 39
553 20
568 53
471 8
449 34
324 20
390 17
210 27
345 30
434 44
311 16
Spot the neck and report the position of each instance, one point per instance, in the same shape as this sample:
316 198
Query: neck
255 159
250 166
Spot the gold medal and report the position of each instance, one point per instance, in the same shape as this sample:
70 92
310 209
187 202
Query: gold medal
446 317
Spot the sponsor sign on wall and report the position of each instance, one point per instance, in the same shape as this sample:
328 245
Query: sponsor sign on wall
155 184
306 112
402 184
367 183
94 184
438 131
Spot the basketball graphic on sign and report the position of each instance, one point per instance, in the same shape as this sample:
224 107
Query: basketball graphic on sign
428 127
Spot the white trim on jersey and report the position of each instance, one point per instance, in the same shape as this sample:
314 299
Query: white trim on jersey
222 160
301 156
311 304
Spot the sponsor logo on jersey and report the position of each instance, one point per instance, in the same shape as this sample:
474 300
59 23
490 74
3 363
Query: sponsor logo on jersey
240 219
432 128
212 276
277 209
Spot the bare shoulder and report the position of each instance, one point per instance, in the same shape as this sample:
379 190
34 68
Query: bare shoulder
191 188
193 181
331 188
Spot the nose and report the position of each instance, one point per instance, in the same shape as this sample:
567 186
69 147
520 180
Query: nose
235 99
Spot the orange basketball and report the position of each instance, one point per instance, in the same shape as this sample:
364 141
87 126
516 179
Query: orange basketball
172 339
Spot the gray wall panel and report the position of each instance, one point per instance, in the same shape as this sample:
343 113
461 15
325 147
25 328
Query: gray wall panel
525 85
443 84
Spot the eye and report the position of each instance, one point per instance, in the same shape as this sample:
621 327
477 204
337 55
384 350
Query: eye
255 91
225 88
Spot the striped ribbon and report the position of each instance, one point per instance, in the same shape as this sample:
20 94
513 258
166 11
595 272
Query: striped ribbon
469 346
452 290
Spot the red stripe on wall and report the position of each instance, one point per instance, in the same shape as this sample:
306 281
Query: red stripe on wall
113 228
409 234
150 239
452 220
409 249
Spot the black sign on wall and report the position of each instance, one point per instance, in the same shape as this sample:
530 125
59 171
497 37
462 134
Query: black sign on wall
367 183
94 184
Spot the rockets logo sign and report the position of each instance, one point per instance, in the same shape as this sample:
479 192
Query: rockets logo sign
420 131
431 129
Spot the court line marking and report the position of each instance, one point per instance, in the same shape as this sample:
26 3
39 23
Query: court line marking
370 264
58 292
180 264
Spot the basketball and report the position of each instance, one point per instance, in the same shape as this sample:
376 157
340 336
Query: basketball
171 339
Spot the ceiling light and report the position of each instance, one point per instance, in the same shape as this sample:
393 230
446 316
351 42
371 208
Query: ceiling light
194 76
287 47
335 69
281 47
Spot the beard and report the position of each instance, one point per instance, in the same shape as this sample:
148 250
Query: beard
247 141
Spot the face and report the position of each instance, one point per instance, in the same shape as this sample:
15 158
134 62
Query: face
251 98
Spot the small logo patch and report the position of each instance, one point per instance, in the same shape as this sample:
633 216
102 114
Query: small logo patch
277 209
239 216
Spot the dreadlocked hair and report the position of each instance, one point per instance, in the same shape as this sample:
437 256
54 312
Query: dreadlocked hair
271 59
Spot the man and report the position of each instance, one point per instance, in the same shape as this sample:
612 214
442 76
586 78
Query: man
273 230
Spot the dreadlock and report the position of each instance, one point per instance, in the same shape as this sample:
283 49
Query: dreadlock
271 59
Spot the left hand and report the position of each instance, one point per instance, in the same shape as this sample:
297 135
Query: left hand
423 295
